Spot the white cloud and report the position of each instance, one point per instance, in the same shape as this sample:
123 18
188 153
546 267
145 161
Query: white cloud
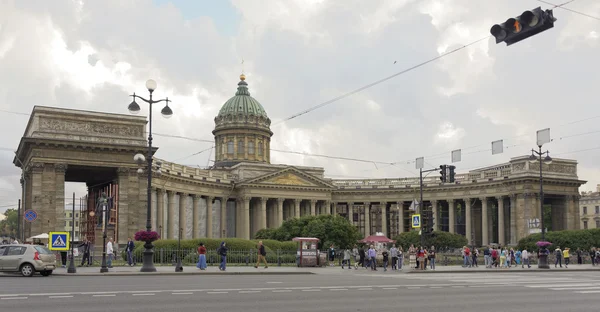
448 133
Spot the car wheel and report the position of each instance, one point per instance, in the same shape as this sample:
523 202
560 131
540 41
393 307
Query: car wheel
27 270
46 273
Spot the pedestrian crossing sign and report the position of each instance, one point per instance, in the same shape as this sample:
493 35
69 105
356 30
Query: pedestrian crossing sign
416 221
58 241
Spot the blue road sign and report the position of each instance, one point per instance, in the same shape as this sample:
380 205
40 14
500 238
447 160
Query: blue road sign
416 221
58 241
30 215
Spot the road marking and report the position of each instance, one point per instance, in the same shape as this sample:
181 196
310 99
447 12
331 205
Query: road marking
217 292
11 298
104 295
59 297
414 287
579 292
281 291
435 287
458 286
574 288
365 289
389 288
249 291
274 282
338 289
51 294
144 294
182 293
311 290
8 296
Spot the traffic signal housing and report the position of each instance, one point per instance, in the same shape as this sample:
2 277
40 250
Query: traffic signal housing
443 176
524 26
451 174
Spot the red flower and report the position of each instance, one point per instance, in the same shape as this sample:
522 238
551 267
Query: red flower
146 236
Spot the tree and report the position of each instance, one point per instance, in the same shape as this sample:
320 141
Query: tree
328 229
8 226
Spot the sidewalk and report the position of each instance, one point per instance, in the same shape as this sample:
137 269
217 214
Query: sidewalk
513 269
187 270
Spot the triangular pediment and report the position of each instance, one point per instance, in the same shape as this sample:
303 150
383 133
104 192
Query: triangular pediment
289 177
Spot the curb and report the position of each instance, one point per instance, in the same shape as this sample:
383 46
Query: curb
180 273
532 270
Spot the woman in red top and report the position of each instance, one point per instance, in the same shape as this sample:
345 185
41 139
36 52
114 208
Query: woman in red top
201 257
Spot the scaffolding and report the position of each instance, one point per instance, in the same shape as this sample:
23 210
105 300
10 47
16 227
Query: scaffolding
91 214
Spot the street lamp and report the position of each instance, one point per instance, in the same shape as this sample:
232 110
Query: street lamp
134 108
72 268
536 156
103 202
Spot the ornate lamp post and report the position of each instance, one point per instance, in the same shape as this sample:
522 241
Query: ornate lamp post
103 202
72 268
179 266
134 108
535 157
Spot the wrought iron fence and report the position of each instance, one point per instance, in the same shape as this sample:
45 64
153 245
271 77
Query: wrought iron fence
189 256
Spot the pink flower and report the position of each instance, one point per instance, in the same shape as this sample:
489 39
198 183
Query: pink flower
146 236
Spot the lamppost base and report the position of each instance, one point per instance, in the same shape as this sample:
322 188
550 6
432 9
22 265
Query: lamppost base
148 258
72 268
178 267
104 268
543 262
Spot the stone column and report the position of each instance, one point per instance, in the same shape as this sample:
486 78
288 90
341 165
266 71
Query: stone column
172 228
400 217
434 214
384 218
513 219
195 215
327 207
160 211
451 216
501 236
312 207
183 197
223 220
351 212
280 211
367 219
262 222
334 208
246 218
484 221
209 216
59 197
468 230
297 207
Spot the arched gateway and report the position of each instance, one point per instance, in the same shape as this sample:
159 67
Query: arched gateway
244 192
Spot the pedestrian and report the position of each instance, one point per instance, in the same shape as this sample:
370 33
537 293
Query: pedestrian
201 257
331 253
109 253
86 252
129 250
566 256
525 256
262 255
474 256
400 258
412 256
558 255
362 256
222 251
373 258
432 258
346 259
356 256
579 257
486 257
385 256
394 255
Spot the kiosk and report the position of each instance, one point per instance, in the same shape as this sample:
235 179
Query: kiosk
308 254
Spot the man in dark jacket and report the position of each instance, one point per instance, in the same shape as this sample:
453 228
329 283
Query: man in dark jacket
86 252
262 254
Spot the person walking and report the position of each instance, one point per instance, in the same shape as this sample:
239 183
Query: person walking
109 253
262 255
566 256
222 251
346 259
394 255
201 257
129 250
558 255
432 258
86 252
525 256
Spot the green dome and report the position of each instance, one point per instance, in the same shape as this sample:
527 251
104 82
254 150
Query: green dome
242 103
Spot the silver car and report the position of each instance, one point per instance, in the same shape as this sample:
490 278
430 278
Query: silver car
27 259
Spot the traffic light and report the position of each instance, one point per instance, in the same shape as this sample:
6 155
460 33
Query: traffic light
443 173
451 174
524 26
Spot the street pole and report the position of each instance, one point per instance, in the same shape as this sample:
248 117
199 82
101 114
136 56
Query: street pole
18 235
541 196
421 206
179 267
72 268
104 268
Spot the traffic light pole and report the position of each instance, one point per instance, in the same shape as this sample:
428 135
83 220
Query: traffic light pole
421 210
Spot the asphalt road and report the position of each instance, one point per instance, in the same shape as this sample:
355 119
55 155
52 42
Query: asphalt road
352 291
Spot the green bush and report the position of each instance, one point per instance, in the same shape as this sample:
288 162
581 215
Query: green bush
574 239
441 240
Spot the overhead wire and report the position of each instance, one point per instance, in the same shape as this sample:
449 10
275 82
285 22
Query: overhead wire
561 6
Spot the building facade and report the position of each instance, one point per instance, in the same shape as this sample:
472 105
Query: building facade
589 205
244 192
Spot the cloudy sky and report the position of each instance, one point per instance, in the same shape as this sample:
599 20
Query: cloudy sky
299 53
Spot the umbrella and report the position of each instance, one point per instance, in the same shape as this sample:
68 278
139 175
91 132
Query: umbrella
376 239
40 236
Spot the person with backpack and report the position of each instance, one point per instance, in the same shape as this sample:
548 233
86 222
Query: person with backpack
262 255
558 255
331 253
222 251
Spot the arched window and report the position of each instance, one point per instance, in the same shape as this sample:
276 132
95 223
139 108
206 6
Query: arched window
260 148
230 147
240 147
251 147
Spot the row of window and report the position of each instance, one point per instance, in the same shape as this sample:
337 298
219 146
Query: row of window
597 211
240 148
585 224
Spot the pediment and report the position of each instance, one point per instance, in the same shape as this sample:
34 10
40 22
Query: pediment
289 177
